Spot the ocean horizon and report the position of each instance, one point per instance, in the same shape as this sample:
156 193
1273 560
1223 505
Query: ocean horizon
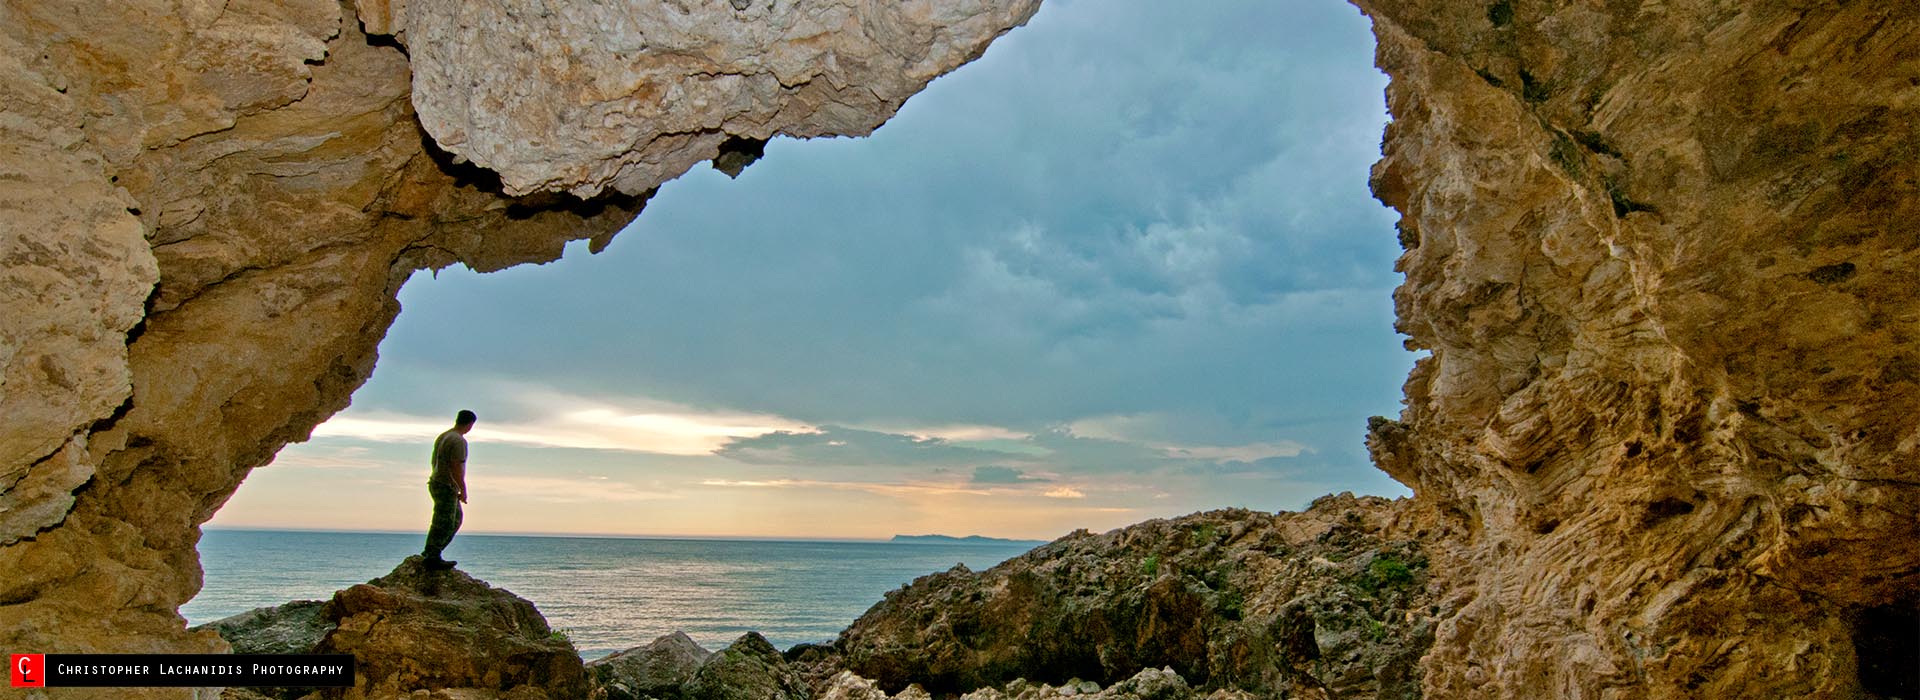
607 592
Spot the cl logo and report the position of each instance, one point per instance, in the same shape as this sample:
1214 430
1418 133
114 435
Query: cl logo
28 671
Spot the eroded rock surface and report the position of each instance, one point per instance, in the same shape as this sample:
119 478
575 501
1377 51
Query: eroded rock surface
292 628
1286 604
748 669
419 632
1148 684
590 95
1658 252
656 670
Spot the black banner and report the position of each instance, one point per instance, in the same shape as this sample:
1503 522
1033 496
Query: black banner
182 670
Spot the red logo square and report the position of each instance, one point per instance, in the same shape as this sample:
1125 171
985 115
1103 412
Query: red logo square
28 670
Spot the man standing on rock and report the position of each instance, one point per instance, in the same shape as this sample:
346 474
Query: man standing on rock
448 486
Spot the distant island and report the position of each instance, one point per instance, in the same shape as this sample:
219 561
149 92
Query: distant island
949 539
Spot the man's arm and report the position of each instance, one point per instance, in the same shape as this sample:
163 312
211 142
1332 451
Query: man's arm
460 479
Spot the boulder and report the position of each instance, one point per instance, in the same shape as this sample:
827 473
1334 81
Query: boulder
749 669
417 632
422 629
1148 684
291 628
846 685
657 670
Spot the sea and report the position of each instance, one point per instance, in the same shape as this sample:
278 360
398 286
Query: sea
606 593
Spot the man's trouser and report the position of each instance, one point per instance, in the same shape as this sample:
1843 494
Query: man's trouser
446 518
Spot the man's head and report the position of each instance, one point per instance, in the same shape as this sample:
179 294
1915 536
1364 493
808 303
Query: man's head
463 421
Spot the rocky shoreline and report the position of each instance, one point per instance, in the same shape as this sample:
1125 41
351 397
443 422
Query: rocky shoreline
1334 601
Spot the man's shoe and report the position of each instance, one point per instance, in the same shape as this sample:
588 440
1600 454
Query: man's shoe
441 564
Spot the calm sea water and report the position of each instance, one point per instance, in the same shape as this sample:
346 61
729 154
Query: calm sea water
608 593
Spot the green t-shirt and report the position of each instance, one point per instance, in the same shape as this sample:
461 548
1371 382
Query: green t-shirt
449 450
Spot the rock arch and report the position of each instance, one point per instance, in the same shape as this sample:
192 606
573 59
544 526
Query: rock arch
1660 252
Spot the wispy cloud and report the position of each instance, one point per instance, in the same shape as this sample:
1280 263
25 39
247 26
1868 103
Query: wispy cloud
564 490
842 446
1065 492
1150 429
582 424
329 457
995 474
959 433
890 489
1236 453
995 461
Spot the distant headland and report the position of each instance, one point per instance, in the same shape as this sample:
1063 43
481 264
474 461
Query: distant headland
949 539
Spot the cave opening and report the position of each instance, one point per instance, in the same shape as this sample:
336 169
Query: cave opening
1077 284
1886 642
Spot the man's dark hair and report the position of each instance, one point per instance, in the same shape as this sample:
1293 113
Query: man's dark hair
465 417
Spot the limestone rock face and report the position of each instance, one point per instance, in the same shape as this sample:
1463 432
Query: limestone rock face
1662 257
1287 604
583 96
75 271
207 208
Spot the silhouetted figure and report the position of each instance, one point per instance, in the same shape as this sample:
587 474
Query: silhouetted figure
448 486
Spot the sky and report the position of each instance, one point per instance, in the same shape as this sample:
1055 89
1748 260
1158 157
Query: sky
1125 266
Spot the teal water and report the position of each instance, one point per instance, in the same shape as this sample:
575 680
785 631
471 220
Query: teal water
608 593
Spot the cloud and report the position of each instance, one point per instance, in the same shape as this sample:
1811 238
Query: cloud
889 489
1065 492
841 446
564 421
328 457
1059 450
1238 453
994 474
563 490
955 432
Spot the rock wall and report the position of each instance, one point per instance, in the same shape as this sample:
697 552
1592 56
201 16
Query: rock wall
209 207
1663 260
1660 253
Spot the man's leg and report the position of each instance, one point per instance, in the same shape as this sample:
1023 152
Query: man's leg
446 521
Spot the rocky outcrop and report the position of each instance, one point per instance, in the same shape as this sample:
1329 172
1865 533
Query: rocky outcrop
673 667
748 669
1149 684
1289 604
293 628
1655 251
656 670
416 630
209 207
